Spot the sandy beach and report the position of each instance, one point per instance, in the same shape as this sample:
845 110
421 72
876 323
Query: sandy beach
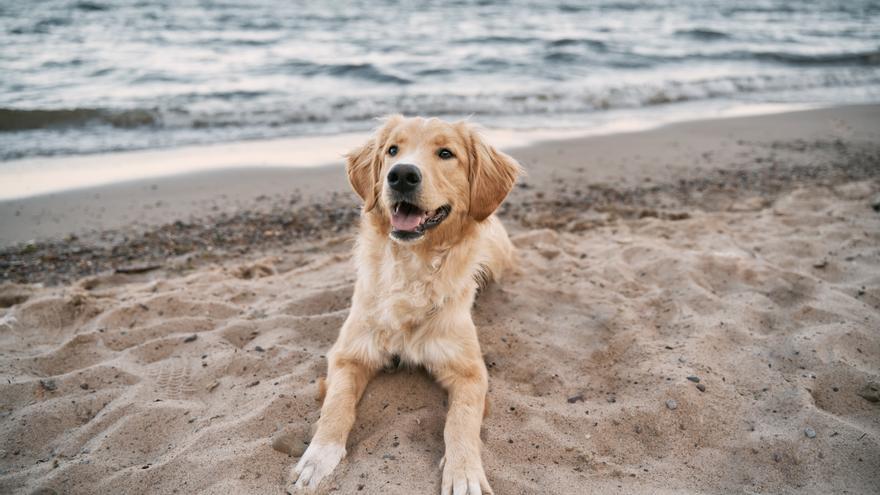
697 310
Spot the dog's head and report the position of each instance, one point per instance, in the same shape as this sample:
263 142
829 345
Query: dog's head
422 176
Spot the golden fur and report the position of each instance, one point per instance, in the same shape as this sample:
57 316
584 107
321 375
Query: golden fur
413 298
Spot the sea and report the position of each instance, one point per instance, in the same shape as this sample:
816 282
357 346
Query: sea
96 76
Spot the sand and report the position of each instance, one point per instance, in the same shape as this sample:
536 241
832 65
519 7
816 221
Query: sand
718 274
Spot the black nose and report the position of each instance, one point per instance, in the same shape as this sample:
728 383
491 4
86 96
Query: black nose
404 177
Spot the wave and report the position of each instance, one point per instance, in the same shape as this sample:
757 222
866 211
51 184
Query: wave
702 34
588 42
587 52
365 71
592 99
91 6
479 40
14 119
276 110
867 58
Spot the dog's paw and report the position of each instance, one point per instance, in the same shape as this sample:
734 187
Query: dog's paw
464 477
315 464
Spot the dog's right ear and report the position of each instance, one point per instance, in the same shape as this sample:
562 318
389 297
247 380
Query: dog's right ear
365 164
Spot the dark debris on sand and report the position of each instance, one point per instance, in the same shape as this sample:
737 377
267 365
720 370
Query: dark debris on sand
572 207
716 190
57 262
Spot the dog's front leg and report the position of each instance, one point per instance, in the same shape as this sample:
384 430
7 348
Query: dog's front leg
346 380
466 380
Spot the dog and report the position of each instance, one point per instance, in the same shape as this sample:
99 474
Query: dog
428 239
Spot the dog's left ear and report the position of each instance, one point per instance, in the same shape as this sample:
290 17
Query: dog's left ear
492 175
365 163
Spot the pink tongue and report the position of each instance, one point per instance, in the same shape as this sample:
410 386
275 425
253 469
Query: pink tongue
404 221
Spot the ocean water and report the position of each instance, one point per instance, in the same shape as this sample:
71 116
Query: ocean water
86 76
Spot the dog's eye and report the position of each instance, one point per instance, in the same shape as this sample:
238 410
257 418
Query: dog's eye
392 150
445 154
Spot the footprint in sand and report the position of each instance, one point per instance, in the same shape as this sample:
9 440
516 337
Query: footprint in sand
172 381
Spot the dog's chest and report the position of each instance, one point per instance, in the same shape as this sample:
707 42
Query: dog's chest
403 298
408 293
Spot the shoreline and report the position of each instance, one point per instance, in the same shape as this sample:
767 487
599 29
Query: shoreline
667 172
38 176
137 205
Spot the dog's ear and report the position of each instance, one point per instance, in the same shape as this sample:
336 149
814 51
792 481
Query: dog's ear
365 163
362 174
492 175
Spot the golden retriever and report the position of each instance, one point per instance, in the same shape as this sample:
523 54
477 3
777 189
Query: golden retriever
428 237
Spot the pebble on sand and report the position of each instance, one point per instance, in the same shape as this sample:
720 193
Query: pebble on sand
292 443
48 385
701 387
694 379
191 338
672 404
870 392
809 432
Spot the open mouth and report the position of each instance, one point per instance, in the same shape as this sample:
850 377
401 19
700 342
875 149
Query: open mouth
408 221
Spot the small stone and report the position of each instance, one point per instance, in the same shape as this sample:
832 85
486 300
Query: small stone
672 404
809 432
575 398
701 387
212 386
259 349
820 264
253 384
870 392
694 379
49 385
548 251
84 386
291 442
191 338
389 457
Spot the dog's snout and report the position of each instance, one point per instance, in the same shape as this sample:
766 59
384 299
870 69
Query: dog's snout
404 177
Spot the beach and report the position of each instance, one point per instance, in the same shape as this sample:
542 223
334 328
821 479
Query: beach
696 310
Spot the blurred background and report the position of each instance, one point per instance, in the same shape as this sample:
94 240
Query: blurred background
86 76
